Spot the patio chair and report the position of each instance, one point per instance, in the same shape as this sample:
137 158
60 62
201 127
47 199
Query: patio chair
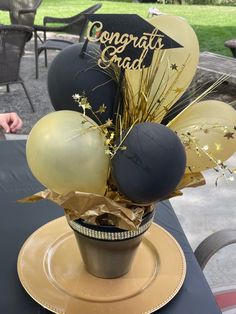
231 44
12 43
4 5
74 25
225 296
21 12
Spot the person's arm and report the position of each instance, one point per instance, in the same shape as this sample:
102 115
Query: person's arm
10 122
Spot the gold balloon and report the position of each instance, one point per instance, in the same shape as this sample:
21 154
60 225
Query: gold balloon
171 71
208 131
66 152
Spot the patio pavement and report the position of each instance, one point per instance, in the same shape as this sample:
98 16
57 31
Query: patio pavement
204 210
201 210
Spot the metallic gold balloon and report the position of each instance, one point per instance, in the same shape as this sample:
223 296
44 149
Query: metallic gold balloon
171 71
66 152
208 131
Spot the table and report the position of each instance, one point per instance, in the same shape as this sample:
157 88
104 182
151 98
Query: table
18 221
215 66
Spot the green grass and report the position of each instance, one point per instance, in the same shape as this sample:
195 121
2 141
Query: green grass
212 24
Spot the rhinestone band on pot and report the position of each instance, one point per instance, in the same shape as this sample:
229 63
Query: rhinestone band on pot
111 236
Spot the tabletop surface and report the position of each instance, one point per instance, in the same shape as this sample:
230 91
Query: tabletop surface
218 65
18 221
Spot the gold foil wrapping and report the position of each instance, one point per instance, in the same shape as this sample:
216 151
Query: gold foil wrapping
95 208
191 180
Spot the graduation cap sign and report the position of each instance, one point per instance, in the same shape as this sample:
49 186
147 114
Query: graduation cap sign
127 40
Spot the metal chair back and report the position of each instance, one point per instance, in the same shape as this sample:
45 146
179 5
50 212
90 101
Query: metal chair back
22 12
12 42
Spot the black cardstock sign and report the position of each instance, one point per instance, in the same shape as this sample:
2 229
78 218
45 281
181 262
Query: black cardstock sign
127 40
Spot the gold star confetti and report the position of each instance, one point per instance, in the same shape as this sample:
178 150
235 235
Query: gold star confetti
85 106
178 90
76 97
229 135
206 147
108 122
218 146
174 66
101 109
108 152
107 141
166 108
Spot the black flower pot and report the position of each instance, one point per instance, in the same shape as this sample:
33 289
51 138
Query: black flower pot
108 252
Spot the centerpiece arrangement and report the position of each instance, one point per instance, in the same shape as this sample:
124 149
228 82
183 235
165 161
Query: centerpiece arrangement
121 138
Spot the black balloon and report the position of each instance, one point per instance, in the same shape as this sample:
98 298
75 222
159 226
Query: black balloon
152 164
73 73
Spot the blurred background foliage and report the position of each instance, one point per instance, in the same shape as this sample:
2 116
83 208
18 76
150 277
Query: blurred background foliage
206 2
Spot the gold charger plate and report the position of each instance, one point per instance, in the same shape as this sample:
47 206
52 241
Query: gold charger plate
52 272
